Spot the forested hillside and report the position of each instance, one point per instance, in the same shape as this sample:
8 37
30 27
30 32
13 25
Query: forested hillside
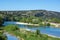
17 15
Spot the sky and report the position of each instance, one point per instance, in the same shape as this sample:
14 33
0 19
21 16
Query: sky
52 5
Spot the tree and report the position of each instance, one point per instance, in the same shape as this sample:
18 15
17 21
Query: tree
1 21
2 36
37 32
48 24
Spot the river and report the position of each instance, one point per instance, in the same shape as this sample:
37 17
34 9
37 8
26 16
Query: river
10 37
44 30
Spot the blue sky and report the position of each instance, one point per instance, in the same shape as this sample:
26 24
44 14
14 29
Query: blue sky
53 5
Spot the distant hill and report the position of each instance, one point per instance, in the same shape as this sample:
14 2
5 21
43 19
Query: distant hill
36 13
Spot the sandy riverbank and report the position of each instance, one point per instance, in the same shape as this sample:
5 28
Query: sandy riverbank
20 23
55 24
27 23
52 36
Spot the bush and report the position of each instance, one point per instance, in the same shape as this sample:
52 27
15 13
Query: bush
48 24
11 28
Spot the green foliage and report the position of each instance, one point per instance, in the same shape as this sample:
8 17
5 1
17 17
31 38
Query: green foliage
41 24
37 32
27 35
11 28
33 36
2 36
48 24
55 20
1 21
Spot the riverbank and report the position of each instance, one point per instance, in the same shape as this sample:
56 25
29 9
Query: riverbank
41 33
22 33
11 36
52 36
55 24
22 23
27 23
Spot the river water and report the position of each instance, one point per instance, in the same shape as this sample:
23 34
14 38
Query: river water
10 37
44 30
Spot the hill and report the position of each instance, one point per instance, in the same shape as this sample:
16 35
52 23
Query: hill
36 13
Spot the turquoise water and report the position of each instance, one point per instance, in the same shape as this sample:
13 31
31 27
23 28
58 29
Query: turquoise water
45 30
10 37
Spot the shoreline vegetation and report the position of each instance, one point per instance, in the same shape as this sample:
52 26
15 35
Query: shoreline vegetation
31 24
23 34
41 33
